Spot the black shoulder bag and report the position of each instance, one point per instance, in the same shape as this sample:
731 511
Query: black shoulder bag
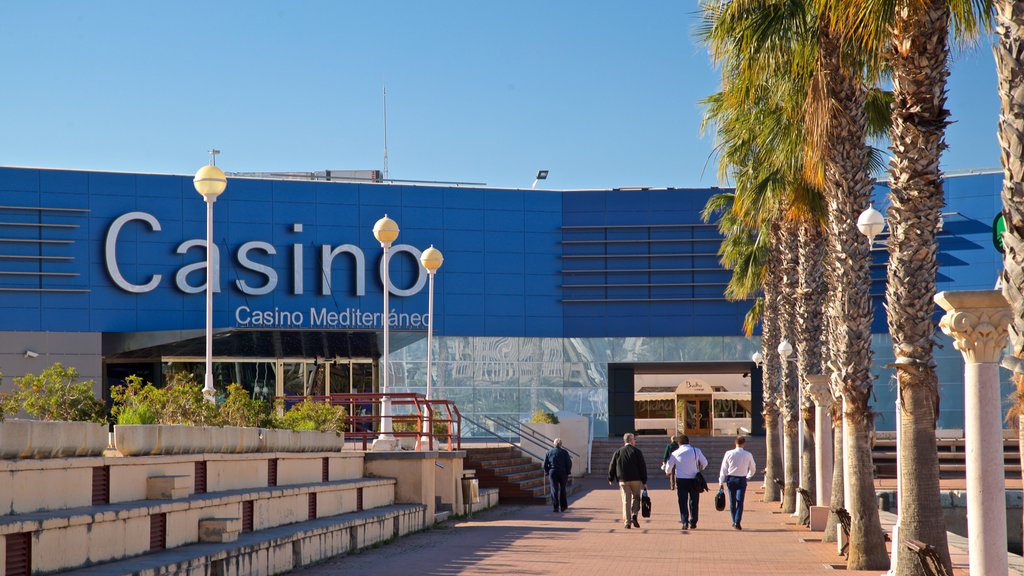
699 482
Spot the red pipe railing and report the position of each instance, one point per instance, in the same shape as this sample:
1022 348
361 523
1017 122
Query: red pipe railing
418 412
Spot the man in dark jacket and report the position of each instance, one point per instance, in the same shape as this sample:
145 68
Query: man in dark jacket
630 471
558 466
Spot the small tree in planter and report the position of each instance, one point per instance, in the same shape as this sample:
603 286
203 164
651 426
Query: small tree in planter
55 395
70 420
241 409
317 416
542 417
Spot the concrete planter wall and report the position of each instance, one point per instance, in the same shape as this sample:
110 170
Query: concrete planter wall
141 440
39 439
300 441
146 440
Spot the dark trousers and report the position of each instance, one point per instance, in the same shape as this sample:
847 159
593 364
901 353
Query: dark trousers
689 500
559 501
737 494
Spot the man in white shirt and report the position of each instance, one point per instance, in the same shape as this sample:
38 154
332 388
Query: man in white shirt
737 467
687 461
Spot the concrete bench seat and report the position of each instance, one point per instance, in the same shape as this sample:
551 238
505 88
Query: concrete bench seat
49 519
104 533
274 550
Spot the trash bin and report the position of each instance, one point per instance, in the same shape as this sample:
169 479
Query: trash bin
470 490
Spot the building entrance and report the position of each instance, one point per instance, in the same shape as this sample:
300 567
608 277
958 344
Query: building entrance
697 399
694 416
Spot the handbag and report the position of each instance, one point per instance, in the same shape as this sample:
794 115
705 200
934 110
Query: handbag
645 504
720 500
699 483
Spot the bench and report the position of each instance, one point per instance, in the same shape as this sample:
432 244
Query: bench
843 517
808 501
929 558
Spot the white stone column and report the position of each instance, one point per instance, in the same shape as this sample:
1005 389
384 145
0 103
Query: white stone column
977 320
818 388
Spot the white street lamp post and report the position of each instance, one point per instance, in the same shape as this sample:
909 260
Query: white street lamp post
785 353
386 232
210 182
431 259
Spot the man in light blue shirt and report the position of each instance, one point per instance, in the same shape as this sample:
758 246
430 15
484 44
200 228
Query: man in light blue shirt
687 461
737 467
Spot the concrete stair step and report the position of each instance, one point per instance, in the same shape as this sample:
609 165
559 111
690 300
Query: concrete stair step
252 547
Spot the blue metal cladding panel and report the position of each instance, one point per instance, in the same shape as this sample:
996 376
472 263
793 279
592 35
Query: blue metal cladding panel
491 265
641 263
967 259
642 259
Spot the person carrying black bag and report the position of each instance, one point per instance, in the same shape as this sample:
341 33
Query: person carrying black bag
630 471
687 462
737 467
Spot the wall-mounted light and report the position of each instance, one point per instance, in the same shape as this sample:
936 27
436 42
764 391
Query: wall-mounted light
541 175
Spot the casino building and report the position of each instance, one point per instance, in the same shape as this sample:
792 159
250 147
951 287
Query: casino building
607 303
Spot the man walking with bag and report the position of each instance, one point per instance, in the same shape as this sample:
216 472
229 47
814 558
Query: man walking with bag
558 466
630 471
737 467
687 462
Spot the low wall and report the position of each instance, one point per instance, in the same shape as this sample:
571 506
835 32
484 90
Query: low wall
422 477
61 483
954 508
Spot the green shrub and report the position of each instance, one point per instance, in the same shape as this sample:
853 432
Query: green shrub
138 415
8 404
55 395
136 402
405 425
311 415
542 417
241 409
182 402
185 403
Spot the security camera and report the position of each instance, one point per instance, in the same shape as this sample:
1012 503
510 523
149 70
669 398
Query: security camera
31 354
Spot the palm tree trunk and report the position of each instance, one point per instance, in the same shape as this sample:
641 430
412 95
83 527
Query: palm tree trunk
811 303
831 528
916 199
770 341
867 541
1009 53
847 190
806 464
789 248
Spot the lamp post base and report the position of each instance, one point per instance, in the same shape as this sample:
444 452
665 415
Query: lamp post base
384 444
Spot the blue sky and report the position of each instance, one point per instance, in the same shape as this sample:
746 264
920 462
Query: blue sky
603 94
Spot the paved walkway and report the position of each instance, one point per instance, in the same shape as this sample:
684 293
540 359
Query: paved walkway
589 540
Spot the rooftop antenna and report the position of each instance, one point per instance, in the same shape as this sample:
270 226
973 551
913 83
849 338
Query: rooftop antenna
385 86
213 156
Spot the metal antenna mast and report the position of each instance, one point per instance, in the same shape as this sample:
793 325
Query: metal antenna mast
385 86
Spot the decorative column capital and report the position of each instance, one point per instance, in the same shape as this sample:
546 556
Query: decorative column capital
817 386
977 320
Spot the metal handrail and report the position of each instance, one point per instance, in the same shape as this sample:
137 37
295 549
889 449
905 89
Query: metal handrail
367 426
518 427
498 436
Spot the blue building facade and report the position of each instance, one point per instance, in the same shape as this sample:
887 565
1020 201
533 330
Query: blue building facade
541 294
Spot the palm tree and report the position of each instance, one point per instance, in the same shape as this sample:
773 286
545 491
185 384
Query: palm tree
915 37
744 250
811 304
773 40
1010 69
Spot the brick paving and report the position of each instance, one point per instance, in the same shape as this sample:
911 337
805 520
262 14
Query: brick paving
589 540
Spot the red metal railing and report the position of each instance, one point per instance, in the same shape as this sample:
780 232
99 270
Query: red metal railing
411 414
